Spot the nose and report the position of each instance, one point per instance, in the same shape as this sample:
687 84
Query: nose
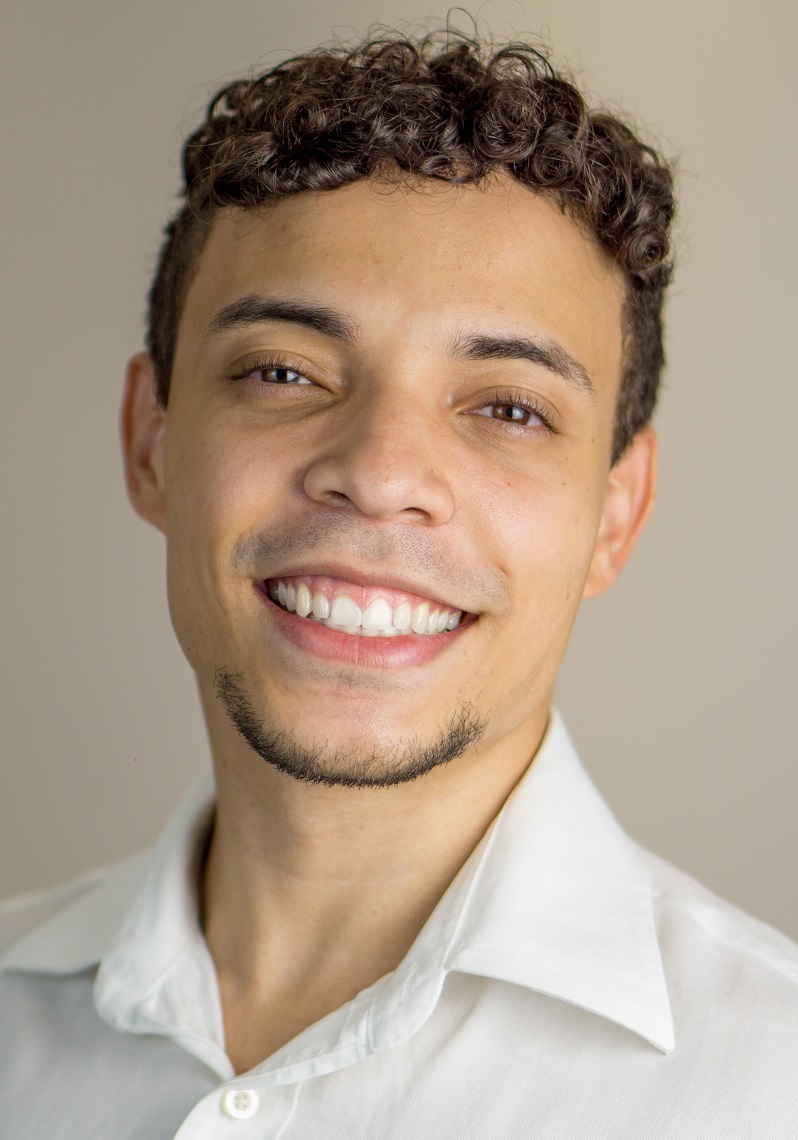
386 462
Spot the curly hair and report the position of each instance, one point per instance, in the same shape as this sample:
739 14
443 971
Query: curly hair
444 107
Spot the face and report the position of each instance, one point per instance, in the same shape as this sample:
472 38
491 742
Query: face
384 471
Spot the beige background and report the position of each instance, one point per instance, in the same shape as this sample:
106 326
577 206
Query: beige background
679 687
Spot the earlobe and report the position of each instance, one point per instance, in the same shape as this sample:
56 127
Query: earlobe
143 430
631 491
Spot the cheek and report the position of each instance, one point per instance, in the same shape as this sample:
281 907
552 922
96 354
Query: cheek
217 491
541 534
543 529
219 488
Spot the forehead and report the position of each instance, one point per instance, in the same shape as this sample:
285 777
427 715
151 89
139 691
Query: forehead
426 259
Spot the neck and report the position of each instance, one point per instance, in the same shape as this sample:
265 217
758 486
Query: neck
312 893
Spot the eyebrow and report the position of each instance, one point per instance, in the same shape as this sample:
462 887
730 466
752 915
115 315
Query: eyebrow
537 350
255 309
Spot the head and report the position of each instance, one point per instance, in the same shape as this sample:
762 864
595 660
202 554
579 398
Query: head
448 111
399 226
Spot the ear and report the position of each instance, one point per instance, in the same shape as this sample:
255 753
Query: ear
143 428
631 490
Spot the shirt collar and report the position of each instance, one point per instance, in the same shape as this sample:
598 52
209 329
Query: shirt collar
561 901
140 924
555 898
151 894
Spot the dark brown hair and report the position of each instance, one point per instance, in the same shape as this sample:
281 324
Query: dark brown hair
444 107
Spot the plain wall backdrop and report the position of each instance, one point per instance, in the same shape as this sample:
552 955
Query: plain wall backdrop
679 685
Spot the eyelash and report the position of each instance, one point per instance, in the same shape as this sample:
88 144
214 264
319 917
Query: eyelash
281 362
504 398
499 398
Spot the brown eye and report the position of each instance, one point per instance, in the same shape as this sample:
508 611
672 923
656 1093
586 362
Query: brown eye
511 413
278 375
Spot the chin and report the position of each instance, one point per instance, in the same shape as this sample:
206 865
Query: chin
341 758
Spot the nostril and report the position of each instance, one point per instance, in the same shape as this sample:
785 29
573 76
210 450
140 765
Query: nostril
337 498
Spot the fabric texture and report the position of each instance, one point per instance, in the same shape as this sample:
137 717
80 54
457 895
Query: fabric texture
568 986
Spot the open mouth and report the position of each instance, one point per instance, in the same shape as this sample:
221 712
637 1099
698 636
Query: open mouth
362 611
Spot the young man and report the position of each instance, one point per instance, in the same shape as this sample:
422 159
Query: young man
393 422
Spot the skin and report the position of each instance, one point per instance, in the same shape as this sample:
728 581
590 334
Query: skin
391 463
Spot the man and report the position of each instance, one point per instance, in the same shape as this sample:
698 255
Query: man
393 422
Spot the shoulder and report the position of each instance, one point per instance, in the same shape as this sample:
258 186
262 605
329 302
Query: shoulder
713 952
66 914
20 914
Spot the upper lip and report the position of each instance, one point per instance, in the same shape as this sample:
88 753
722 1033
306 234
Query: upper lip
361 577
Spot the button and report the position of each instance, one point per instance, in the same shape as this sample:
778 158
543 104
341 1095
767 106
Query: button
240 1103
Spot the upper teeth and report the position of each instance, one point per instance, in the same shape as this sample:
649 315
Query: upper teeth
378 619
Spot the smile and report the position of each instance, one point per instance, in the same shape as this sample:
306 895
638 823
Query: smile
364 611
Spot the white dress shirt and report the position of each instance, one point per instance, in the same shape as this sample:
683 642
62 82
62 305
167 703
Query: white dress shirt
569 986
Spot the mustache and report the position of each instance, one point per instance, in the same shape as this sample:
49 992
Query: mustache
402 548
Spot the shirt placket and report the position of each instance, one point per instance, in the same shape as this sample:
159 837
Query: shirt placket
241 1110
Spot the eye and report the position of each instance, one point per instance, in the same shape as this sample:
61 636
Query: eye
277 374
270 373
513 408
510 413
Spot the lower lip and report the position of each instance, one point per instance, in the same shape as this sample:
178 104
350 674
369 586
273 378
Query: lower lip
401 652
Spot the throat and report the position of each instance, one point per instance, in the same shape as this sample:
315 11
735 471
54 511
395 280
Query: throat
259 1021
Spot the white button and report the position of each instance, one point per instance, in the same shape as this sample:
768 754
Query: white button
240 1103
